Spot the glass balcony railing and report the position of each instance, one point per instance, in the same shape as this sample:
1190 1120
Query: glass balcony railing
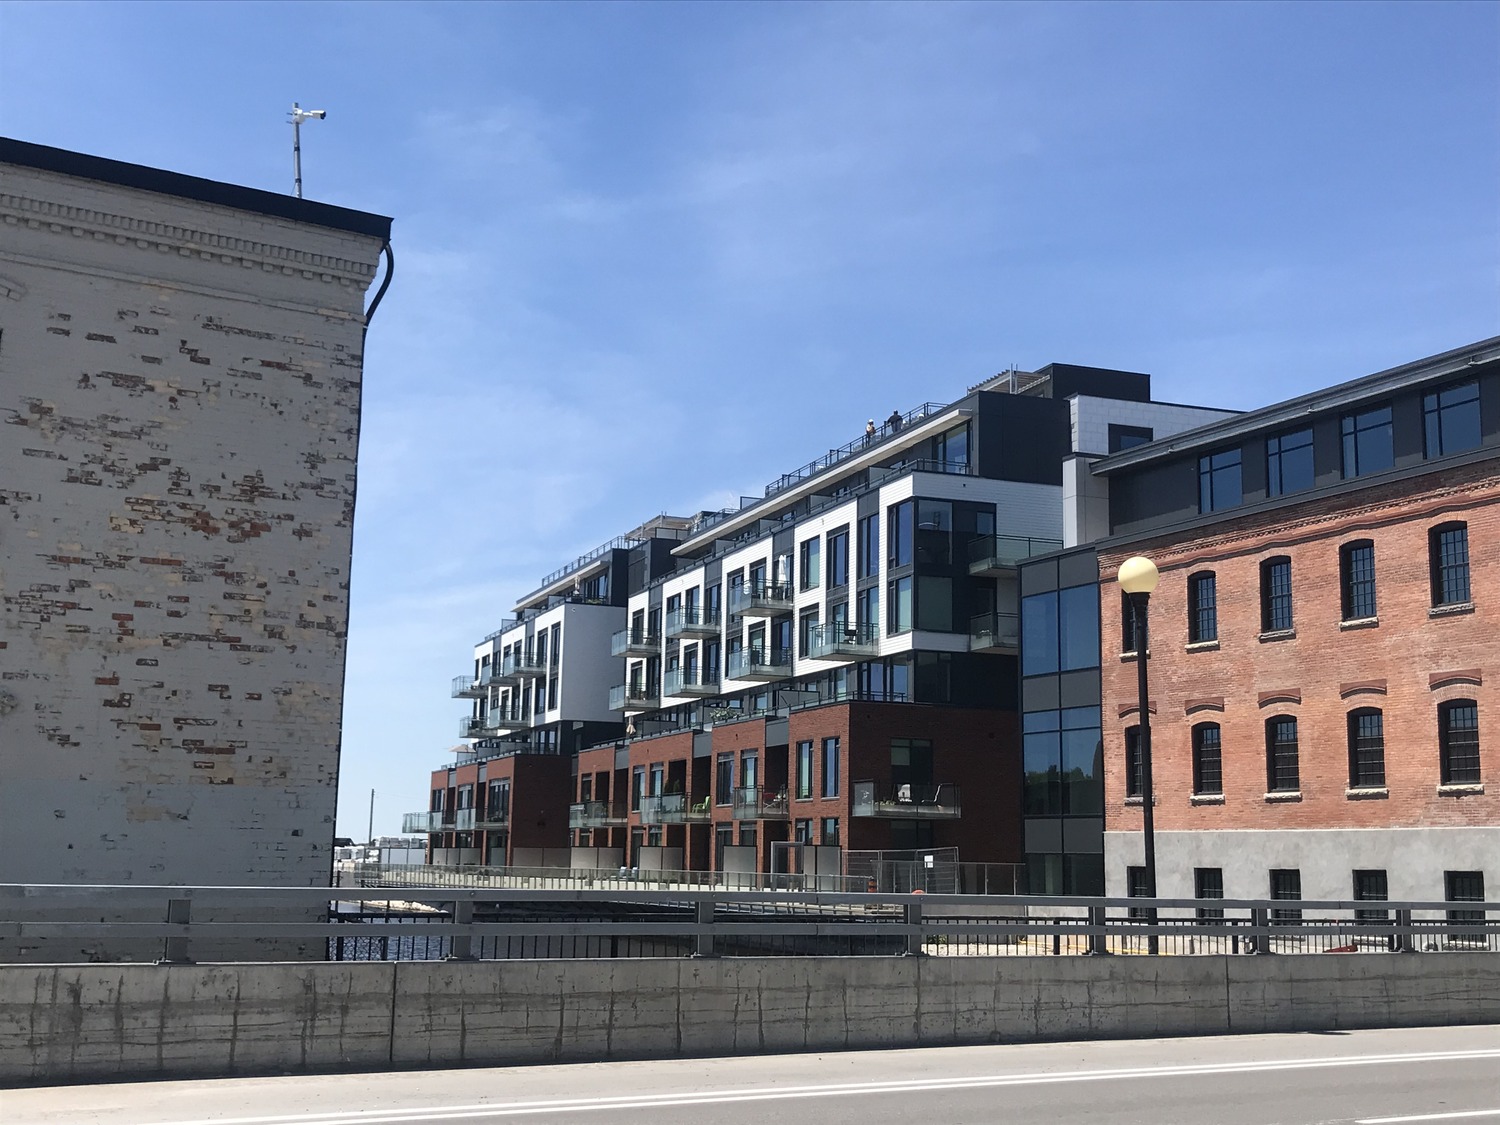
492 819
835 641
595 814
634 697
995 632
423 822
906 802
528 665
759 803
675 808
760 599
500 672
692 623
467 687
634 642
689 681
758 664
993 554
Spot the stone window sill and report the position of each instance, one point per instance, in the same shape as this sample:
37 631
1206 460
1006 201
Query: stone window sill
1129 657
1284 795
1203 646
1451 610
1278 635
1460 790
1139 801
1206 799
1368 793
1360 623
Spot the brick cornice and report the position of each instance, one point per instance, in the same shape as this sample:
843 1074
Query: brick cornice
1362 687
1464 676
148 234
1285 695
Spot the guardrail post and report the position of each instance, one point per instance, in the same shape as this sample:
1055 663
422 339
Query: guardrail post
175 949
1401 940
1260 919
914 934
1098 941
462 946
703 914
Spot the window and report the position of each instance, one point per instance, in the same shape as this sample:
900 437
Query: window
934 603
1281 755
1208 882
637 787
1370 886
1062 762
934 532
804 770
867 607
898 605
1128 437
810 564
1128 623
807 628
869 546
1276 595
1450 420
1208 759
898 534
952 448
1286 886
1203 607
1135 887
750 769
802 831
1464 886
1219 481
1448 560
1135 783
1366 749
1060 631
1289 462
1357 579
724 779
831 831
1458 741
1367 443
838 558
830 767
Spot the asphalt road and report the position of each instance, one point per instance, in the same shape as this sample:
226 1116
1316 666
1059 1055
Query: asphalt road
1367 1077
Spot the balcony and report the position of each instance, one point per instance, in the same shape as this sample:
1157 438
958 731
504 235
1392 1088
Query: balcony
758 803
493 820
995 632
634 642
689 681
423 822
674 808
467 687
470 727
595 814
991 556
906 802
499 673
528 666
843 642
463 819
757 664
692 623
760 599
634 697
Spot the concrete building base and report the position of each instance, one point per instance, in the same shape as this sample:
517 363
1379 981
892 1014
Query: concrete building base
86 1023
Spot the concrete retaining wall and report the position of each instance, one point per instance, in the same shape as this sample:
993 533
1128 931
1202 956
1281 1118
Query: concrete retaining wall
79 1023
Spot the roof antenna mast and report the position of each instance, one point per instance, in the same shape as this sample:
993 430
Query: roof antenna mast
298 116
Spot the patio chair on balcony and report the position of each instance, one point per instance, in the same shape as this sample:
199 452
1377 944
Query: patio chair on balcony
701 808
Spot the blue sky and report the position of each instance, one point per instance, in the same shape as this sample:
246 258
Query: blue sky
650 256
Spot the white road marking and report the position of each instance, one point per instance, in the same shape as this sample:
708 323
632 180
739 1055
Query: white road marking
725 1097
1430 1117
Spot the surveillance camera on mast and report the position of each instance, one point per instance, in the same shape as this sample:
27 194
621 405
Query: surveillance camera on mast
297 117
300 115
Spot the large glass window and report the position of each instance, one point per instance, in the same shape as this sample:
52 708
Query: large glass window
1450 420
1082 762
838 558
953 448
1208 759
899 534
810 564
1060 630
1458 741
1219 481
807 625
935 603
934 532
1203 607
1366 749
1368 445
724 779
867 607
869 546
898 605
1282 771
1357 579
1039 634
1289 462
830 786
1276 595
1448 560
804 770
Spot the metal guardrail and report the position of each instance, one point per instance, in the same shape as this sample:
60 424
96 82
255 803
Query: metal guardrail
692 921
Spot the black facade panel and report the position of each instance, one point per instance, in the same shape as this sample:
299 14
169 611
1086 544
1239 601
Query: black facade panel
1038 577
1040 693
1158 494
1098 382
1328 455
1489 404
776 732
1253 469
1079 689
1081 568
1022 438
784 542
703 744
868 504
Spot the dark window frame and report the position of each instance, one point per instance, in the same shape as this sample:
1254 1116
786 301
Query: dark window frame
1442 416
1371 885
1135 773
1203 607
1357 580
1286 886
1208 884
1208 759
1284 451
1221 480
1448 564
1358 457
1366 736
1458 742
1276 610
1283 755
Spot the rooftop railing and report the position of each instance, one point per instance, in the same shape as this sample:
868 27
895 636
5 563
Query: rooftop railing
883 433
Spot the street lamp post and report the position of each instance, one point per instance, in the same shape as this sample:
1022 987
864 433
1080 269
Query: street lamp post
1137 577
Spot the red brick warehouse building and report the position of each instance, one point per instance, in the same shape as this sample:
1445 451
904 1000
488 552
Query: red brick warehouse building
1323 655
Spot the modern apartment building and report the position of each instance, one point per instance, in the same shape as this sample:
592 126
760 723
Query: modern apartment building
828 667
180 373
1322 656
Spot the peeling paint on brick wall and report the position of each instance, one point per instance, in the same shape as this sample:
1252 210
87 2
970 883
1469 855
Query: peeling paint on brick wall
178 435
